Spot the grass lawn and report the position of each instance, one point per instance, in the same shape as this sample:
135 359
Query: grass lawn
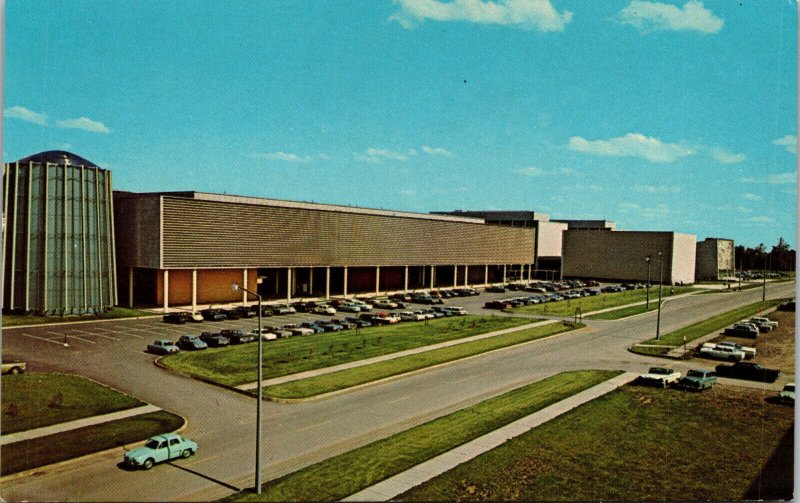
704 327
313 386
634 444
237 364
28 454
13 320
601 301
37 400
348 473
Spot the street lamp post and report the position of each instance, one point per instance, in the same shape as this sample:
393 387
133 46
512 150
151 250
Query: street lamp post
259 427
660 281
647 259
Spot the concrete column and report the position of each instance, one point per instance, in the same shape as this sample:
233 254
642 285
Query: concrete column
377 280
244 284
466 275
530 272
327 283
504 273
311 281
433 274
455 276
486 275
166 290
194 290
289 285
405 281
130 286
344 293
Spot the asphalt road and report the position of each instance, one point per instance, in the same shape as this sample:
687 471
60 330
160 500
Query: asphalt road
296 435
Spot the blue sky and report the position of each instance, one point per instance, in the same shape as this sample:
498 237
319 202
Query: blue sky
655 115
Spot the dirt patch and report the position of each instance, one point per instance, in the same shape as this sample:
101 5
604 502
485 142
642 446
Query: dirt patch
775 349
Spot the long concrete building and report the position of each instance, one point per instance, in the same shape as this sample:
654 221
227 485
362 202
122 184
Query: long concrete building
189 247
629 256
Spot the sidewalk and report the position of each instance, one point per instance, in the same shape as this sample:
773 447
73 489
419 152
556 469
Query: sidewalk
390 356
402 482
78 423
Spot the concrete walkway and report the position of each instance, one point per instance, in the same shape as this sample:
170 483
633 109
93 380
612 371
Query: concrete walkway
78 423
390 356
402 482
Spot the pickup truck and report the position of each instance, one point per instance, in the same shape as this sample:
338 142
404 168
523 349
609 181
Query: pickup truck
158 449
13 367
748 370
712 350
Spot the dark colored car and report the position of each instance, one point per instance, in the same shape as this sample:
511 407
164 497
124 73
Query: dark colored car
213 314
232 314
497 289
747 370
236 336
177 318
191 342
244 312
360 323
214 340
313 326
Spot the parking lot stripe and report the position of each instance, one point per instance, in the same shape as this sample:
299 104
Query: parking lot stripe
59 342
314 425
80 338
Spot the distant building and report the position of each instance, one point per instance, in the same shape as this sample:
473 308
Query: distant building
547 236
715 259
58 236
620 256
589 225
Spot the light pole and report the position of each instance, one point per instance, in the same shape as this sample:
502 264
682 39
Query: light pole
660 281
259 428
647 259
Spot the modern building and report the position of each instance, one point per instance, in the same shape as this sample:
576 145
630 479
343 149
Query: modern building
187 248
715 259
547 236
588 225
58 236
629 256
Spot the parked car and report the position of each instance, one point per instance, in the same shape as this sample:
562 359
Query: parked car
497 289
457 311
764 319
761 325
266 334
384 304
712 350
236 336
698 379
158 449
243 312
300 330
420 298
661 376
214 340
313 326
497 304
749 352
13 368
385 318
331 326
162 347
410 316
787 393
176 318
194 317
748 370
324 309
349 307
281 310
742 330
359 322
191 342
346 325
213 314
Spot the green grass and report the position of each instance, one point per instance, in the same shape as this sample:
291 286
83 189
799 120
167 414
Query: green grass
705 327
602 301
28 454
236 365
343 379
634 444
624 312
38 400
348 473
13 320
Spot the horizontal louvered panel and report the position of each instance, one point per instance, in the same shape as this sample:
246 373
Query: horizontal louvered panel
215 234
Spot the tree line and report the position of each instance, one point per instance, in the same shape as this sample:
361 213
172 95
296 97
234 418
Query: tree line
780 258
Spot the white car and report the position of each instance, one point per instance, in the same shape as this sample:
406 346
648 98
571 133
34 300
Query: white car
265 334
787 393
763 326
661 376
712 350
425 316
749 352
385 304
324 309
409 316
764 319
457 311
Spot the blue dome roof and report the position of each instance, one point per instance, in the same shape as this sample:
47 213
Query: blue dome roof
57 157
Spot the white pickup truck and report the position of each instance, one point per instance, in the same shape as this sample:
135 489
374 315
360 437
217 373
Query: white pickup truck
712 350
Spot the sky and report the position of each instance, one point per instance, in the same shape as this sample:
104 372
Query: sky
665 116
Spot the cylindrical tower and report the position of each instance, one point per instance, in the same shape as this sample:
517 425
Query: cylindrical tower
58 236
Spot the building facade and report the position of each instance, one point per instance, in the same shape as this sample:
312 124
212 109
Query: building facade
58 236
623 256
187 248
715 259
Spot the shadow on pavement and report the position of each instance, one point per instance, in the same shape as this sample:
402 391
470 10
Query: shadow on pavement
776 480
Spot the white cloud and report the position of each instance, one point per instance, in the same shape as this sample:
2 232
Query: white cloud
789 142
752 197
760 220
377 155
285 156
632 145
408 193
437 151
528 14
530 171
324 157
654 16
778 179
22 113
726 157
656 189
85 124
